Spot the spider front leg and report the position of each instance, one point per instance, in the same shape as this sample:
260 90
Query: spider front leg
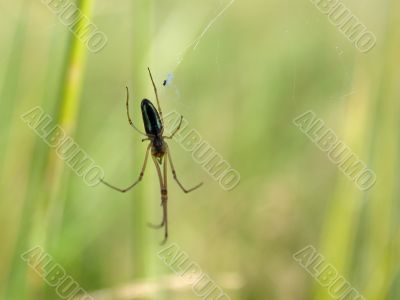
176 177
138 180
155 92
127 112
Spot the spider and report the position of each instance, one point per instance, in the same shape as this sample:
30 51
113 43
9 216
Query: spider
160 153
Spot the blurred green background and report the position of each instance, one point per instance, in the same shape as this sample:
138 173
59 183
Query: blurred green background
259 65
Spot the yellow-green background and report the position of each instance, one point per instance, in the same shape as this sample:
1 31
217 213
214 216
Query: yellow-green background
261 64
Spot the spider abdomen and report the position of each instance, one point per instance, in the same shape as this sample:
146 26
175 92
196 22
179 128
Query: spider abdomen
151 119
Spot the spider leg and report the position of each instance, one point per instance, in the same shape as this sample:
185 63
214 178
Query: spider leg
164 198
165 212
176 177
162 188
155 91
175 131
156 226
129 117
137 181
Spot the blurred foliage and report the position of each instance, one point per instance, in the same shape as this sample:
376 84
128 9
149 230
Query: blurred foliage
257 67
